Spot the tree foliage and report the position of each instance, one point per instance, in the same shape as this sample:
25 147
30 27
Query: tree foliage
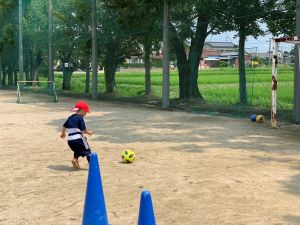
281 17
132 27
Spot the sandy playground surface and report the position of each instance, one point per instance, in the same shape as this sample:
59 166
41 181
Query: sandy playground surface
200 169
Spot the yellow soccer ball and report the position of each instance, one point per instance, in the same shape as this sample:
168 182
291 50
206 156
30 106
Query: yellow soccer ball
128 156
260 119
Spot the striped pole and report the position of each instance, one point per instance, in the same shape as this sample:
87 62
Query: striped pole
274 84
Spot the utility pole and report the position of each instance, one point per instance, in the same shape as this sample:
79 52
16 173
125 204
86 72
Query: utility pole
50 42
297 69
166 59
21 59
94 52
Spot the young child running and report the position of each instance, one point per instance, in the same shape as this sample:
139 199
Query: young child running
76 128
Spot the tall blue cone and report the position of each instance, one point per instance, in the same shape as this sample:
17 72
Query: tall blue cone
146 214
94 208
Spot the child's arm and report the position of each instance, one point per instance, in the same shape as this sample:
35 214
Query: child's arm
63 133
87 132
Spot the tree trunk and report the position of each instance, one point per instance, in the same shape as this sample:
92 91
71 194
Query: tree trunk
188 72
147 46
242 69
36 74
15 77
194 60
1 72
183 69
31 65
4 75
184 81
10 75
110 81
26 70
188 67
37 64
87 78
67 75
27 75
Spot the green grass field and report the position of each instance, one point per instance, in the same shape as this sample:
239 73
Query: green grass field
216 85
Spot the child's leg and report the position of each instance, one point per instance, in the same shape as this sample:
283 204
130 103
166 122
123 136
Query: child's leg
75 161
76 156
87 151
80 147
73 145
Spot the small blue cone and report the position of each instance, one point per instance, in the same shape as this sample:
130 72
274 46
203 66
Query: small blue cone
146 214
94 208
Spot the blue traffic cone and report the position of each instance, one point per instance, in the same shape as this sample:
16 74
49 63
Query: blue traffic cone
94 208
146 214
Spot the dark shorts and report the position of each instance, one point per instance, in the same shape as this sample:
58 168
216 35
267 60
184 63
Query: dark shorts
80 147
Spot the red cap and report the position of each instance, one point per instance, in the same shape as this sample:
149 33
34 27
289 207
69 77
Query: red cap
81 105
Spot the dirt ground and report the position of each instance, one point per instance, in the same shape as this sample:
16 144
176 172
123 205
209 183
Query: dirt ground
200 169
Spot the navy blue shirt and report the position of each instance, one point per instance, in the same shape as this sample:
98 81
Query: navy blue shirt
75 121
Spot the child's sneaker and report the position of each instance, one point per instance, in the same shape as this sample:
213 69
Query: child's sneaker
75 164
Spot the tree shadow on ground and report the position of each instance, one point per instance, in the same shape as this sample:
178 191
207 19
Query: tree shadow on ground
268 159
292 219
186 132
213 131
292 186
189 148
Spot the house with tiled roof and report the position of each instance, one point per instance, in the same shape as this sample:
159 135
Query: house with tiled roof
215 52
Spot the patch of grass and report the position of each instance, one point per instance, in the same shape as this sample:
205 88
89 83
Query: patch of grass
216 85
